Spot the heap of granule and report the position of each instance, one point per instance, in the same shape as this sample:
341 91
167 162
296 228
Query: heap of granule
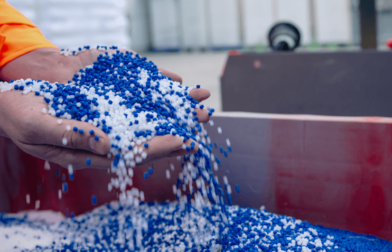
173 226
130 100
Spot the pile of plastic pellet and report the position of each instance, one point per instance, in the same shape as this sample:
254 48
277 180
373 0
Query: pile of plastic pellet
129 99
174 226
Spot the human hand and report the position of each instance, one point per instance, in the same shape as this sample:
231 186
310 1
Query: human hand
39 134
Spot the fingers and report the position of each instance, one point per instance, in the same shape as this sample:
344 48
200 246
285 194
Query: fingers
174 76
199 94
77 158
157 148
203 116
71 134
182 151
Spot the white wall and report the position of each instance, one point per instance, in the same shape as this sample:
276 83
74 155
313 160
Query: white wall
260 15
223 21
333 21
298 13
75 23
257 20
194 33
164 24
138 25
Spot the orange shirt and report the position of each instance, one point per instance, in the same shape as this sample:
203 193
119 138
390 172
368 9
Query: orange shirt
18 35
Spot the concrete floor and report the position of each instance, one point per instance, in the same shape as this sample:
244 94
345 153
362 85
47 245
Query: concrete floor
195 68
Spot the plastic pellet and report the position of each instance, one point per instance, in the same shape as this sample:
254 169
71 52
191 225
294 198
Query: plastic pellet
94 200
88 161
64 141
81 131
60 194
47 165
27 198
37 204
96 138
131 101
167 174
44 110
91 132
70 169
59 121
65 187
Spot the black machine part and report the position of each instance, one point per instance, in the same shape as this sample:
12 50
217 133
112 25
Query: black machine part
284 37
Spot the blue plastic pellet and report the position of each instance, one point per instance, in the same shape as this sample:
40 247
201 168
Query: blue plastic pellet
91 132
96 138
94 200
237 188
88 161
145 145
81 131
145 175
75 128
150 171
65 187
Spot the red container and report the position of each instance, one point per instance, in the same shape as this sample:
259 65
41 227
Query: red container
333 171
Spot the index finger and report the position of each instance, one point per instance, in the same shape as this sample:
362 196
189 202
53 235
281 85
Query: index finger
168 73
70 134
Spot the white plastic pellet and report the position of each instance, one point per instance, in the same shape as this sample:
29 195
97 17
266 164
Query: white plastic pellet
215 166
59 121
64 141
228 189
37 204
70 169
228 142
44 110
142 196
211 122
167 174
172 166
225 180
28 198
138 160
140 150
130 172
144 155
47 166
60 194
68 128
174 189
219 130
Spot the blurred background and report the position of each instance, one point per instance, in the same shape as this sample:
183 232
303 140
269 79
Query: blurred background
192 37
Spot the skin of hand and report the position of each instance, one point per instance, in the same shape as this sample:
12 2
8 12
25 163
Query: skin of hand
40 134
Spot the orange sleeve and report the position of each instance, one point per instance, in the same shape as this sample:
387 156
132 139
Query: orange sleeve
18 35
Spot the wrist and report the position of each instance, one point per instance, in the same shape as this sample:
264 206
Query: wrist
2 119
